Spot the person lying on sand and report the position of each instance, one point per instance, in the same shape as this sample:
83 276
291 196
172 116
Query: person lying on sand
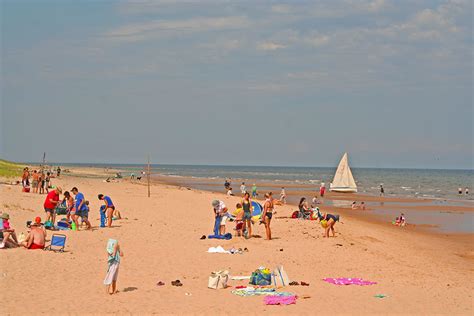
36 237
328 221
6 232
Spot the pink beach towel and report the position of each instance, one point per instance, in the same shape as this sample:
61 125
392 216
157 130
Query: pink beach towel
348 281
279 300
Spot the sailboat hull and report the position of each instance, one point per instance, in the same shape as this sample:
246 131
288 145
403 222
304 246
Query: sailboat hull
343 189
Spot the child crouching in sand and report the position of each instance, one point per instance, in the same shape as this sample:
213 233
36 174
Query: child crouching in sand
114 253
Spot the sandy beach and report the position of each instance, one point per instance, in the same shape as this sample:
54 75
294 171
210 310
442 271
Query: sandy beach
421 273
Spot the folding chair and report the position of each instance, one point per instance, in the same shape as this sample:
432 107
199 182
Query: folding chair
58 242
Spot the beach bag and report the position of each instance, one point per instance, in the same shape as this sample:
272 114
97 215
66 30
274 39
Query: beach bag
279 277
261 277
218 280
295 214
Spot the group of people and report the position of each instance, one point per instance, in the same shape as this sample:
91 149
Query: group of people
305 211
40 180
466 191
356 206
243 215
35 238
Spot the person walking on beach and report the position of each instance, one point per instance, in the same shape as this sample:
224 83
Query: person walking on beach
243 188
50 203
114 252
247 218
254 191
382 190
322 189
283 196
267 215
109 208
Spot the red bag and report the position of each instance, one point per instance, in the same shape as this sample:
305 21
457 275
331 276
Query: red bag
295 214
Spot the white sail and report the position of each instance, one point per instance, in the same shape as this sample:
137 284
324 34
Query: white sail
343 179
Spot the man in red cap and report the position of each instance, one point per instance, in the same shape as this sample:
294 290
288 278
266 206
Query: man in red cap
36 237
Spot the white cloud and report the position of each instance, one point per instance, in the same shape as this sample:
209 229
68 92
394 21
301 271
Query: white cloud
140 31
270 46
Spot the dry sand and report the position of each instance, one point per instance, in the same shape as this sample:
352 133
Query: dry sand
421 273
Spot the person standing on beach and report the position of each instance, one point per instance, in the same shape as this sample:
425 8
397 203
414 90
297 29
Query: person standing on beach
114 252
41 182
58 171
254 191
47 182
220 213
52 200
109 208
82 210
322 189
247 218
267 214
25 178
283 196
35 181
243 189
382 190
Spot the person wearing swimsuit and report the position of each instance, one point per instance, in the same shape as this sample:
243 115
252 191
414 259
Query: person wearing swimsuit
331 221
267 214
247 206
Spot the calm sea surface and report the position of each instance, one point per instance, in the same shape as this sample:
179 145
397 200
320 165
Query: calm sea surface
423 183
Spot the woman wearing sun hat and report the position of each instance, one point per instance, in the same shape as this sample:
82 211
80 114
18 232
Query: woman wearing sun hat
6 231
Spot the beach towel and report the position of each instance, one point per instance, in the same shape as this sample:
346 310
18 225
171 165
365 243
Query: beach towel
217 224
251 291
217 249
227 236
279 300
348 281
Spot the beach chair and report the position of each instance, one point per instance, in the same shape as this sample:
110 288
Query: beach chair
58 242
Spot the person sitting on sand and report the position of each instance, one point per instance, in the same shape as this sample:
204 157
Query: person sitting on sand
109 208
315 201
328 221
268 214
36 237
400 221
114 252
305 211
229 192
50 203
6 232
239 222
220 210
247 216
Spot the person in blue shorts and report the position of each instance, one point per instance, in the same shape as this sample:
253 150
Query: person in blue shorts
82 210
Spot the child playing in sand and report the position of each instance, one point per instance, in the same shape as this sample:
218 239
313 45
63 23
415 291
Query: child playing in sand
400 221
114 252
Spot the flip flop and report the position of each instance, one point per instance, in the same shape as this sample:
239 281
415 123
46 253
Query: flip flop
203 237
304 283
160 283
294 283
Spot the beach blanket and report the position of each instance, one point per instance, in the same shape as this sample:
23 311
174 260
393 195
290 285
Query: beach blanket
348 281
227 236
279 300
251 291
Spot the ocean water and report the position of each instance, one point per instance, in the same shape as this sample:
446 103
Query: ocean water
421 183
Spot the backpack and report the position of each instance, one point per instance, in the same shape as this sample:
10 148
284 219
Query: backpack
261 277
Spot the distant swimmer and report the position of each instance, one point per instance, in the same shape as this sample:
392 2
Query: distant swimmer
467 190
460 191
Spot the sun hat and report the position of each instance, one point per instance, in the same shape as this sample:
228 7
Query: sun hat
215 203
59 189
5 216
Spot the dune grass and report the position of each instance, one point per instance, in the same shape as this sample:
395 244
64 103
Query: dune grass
10 169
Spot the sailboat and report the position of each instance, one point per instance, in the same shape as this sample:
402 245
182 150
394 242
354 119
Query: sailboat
343 179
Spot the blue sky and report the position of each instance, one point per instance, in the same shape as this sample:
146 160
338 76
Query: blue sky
238 82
